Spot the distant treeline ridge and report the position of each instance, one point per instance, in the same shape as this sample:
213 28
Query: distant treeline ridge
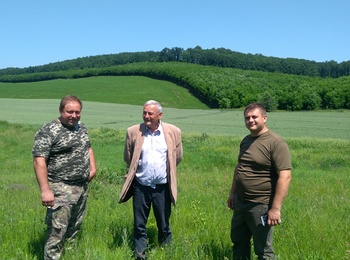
220 57
223 88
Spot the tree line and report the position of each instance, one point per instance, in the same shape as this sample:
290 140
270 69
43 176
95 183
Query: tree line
220 57
224 88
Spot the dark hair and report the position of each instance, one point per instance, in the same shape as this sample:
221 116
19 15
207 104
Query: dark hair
67 99
255 105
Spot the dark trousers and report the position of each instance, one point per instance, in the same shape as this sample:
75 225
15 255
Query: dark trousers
246 223
144 197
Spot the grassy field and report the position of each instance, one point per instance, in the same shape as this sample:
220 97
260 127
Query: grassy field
315 214
122 90
325 124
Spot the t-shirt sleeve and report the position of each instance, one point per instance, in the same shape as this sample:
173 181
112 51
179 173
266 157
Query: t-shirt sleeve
281 157
42 143
87 134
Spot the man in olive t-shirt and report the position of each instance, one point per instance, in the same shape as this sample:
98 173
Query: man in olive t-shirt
260 184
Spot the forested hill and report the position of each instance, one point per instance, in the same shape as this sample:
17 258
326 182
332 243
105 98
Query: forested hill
220 57
223 88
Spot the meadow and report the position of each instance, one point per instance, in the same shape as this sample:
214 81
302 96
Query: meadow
315 213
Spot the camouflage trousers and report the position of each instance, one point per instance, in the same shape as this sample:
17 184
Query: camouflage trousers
64 219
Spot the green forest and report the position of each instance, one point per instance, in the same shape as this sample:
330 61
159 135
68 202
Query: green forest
220 78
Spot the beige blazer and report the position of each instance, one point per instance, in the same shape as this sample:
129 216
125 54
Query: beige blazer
132 153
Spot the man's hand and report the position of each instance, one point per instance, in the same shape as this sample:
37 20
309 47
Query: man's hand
274 217
47 198
231 201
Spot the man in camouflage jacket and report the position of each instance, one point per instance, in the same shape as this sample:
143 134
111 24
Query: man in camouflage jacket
64 163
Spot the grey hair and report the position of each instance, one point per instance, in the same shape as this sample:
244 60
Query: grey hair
156 103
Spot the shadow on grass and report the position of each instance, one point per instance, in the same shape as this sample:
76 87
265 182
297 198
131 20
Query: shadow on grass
217 251
123 236
36 245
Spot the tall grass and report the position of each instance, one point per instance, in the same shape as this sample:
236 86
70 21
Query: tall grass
315 213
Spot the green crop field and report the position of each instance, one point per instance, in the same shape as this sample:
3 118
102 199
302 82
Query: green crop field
122 90
315 213
311 124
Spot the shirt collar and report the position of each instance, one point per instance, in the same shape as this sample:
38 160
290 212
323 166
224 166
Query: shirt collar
159 129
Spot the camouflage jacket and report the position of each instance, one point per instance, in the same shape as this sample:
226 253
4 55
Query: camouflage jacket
66 151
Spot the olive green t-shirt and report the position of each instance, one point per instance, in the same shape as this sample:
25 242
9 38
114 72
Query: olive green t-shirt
259 161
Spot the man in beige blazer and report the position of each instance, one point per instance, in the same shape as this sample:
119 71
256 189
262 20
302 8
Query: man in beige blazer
152 151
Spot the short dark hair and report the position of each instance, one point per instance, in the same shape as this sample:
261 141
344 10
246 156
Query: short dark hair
255 105
67 99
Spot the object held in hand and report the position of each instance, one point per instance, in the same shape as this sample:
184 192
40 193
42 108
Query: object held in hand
264 219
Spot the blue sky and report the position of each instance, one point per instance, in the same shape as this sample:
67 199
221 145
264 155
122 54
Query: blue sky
40 32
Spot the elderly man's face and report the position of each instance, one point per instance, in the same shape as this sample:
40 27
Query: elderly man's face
151 116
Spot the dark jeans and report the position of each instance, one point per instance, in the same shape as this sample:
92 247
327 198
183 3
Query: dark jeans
246 223
144 197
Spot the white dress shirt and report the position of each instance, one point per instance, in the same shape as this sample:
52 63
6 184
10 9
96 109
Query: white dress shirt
152 165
